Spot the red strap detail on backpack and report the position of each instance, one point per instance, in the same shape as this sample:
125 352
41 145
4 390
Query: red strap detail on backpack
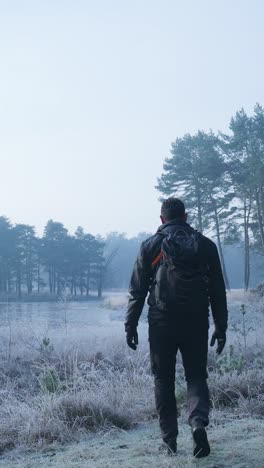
157 259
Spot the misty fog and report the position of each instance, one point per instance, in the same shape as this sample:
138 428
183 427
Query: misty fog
107 109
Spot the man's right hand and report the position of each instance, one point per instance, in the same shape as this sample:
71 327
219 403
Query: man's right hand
132 337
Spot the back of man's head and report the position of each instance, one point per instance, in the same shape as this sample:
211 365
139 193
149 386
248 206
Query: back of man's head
172 208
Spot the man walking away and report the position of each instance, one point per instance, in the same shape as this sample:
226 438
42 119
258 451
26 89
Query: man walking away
181 271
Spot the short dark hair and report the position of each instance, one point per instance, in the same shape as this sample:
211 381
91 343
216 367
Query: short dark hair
172 208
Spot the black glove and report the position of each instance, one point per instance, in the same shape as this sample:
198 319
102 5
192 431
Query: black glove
221 340
131 337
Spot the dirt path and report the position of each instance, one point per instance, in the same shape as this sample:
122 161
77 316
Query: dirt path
238 444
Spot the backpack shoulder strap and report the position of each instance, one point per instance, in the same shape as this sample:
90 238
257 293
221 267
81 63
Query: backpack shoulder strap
160 255
157 259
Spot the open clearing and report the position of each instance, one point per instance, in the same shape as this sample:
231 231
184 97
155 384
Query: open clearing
238 444
72 394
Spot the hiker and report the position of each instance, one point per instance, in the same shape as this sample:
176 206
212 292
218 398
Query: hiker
181 271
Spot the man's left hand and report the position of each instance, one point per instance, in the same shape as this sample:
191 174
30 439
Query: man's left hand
132 337
220 337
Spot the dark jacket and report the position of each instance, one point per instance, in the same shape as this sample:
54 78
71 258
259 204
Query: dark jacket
143 275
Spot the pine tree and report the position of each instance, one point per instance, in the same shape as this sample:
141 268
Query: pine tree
197 172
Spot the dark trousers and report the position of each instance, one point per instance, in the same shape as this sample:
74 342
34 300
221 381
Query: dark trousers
164 345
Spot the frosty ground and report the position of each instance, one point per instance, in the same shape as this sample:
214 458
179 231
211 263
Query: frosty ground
81 398
234 444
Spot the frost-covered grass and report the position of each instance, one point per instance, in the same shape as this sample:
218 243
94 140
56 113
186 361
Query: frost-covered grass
49 393
140 448
71 386
234 445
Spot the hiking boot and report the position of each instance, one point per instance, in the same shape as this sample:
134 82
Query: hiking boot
169 447
201 447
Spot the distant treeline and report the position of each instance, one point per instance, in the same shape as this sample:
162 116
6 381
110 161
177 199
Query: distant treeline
60 264
56 262
221 180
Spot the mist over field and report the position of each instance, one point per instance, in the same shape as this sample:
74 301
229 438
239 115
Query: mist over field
107 109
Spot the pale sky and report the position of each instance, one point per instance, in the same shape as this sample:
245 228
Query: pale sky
93 92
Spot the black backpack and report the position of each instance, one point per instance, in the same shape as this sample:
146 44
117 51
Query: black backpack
180 277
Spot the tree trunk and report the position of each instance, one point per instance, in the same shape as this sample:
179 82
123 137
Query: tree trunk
246 248
30 286
9 283
5 279
220 245
53 279
29 276
261 197
58 283
18 284
81 282
50 279
199 208
100 282
88 280
260 217
100 290
38 279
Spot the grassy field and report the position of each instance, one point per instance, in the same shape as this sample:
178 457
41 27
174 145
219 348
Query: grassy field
234 444
86 400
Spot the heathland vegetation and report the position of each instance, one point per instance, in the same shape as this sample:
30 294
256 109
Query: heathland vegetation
64 392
